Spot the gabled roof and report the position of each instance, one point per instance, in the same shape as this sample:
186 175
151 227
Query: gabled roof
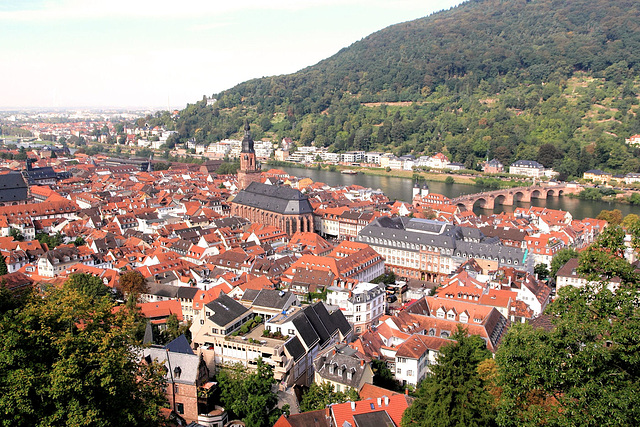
283 200
225 310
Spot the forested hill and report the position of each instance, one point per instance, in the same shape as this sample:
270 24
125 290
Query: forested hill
479 40
507 77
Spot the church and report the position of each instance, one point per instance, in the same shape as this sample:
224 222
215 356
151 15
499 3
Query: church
282 207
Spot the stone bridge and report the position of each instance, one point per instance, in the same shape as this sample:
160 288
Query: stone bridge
509 197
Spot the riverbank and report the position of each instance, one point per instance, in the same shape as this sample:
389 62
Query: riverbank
429 176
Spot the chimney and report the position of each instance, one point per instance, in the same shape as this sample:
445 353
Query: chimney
361 362
386 400
353 406
406 391
327 412
379 401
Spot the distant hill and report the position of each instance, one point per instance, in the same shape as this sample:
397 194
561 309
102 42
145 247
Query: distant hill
551 80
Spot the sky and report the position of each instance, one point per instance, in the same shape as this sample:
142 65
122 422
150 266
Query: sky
167 53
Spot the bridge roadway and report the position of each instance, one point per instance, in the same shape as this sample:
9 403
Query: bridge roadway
509 196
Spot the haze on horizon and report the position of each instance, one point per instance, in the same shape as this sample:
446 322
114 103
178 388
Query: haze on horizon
160 54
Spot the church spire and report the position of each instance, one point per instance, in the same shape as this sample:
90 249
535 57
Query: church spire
247 141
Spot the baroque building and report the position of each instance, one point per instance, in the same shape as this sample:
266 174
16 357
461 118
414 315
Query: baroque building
431 250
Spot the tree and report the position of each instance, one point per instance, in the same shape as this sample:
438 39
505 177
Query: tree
172 331
68 360
3 265
586 370
50 241
542 271
382 375
132 283
561 258
79 241
454 394
249 395
548 154
320 395
89 285
16 234
613 217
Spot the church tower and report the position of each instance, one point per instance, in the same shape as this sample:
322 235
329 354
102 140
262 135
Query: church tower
249 167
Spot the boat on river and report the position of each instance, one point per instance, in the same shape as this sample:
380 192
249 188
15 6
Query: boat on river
349 172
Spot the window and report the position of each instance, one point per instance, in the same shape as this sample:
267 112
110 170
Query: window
399 371
410 372
175 389
180 408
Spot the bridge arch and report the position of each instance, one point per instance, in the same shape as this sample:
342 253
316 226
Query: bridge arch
500 199
551 193
481 202
518 196
537 194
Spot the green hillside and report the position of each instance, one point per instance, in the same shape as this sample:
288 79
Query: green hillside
551 80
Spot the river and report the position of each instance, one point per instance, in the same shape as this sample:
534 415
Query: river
402 189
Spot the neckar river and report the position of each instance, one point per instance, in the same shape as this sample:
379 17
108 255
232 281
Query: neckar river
402 189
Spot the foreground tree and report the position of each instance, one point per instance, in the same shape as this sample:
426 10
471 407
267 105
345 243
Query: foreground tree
89 285
382 375
67 360
561 258
454 394
132 283
248 394
320 395
586 370
3 265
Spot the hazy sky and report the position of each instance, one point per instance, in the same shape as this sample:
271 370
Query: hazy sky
166 53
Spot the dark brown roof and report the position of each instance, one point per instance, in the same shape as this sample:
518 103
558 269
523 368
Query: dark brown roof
543 321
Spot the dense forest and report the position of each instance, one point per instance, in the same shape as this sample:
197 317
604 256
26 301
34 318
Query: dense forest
550 80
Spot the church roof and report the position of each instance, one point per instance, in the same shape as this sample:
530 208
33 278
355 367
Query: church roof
12 187
283 200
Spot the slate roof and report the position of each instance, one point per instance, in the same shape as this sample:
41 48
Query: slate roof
162 289
181 368
295 348
187 292
12 187
373 419
459 240
225 310
282 200
344 359
44 173
272 298
179 345
527 164
306 330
